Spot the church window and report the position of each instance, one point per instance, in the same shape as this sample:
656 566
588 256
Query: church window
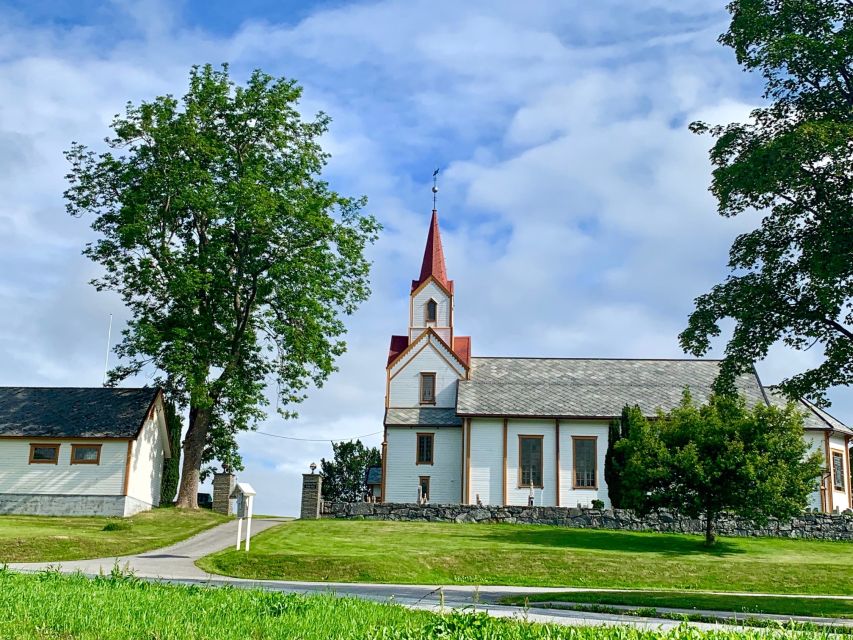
423 489
838 470
425 448
427 388
584 462
431 311
530 461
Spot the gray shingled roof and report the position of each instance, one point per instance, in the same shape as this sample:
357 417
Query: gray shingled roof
587 387
427 417
813 417
73 412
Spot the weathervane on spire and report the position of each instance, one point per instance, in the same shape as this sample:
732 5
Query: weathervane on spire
434 187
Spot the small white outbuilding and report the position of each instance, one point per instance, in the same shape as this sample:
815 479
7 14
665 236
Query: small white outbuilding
81 451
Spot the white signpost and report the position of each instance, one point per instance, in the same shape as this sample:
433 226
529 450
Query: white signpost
245 496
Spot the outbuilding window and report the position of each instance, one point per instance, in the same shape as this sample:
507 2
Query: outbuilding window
530 461
838 471
425 448
584 462
427 388
85 454
44 453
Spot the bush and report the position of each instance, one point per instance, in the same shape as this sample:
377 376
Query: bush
598 504
118 525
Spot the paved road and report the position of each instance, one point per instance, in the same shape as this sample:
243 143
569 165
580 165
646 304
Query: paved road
176 561
176 564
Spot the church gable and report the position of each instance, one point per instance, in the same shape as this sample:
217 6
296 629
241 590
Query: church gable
425 376
430 342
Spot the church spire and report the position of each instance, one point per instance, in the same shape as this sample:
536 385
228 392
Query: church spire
433 263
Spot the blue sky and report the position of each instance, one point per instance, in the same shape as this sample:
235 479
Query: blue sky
573 203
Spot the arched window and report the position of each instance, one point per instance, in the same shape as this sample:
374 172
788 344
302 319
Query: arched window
431 311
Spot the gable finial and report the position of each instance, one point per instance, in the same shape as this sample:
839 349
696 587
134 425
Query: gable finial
434 187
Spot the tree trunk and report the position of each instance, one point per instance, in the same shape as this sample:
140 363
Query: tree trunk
193 451
710 535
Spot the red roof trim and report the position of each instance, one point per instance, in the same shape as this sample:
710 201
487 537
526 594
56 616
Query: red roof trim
462 349
398 346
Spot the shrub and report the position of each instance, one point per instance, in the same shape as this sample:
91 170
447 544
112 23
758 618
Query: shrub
118 525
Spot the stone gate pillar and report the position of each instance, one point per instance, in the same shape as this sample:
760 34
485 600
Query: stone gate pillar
223 485
312 484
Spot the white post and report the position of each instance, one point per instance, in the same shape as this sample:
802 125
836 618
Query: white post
239 531
251 499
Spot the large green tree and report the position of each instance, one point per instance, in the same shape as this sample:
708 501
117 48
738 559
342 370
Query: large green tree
345 476
614 460
236 260
792 276
719 457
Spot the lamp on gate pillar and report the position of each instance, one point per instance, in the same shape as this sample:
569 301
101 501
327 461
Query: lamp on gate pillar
313 467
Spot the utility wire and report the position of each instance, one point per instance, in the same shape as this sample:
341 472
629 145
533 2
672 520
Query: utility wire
275 435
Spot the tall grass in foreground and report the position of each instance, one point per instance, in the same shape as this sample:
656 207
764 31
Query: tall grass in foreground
53 606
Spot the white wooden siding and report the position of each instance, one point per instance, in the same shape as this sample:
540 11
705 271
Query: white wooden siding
405 382
487 441
570 497
418 311
146 462
486 464
817 442
840 499
546 496
17 475
402 474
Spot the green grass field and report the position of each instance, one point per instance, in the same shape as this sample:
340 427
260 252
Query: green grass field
819 607
52 606
502 554
51 538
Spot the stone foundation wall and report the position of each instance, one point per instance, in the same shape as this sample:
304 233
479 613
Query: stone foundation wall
809 525
66 505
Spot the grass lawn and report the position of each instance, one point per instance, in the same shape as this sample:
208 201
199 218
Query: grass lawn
684 600
504 554
52 606
49 538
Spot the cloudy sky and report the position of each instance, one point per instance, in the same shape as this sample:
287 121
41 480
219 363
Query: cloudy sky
574 205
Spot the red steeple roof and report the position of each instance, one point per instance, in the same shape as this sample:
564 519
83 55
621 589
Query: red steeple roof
433 264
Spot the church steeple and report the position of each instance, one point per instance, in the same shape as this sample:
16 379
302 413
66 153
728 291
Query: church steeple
433 262
431 305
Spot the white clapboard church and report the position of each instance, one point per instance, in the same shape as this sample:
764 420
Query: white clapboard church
500 431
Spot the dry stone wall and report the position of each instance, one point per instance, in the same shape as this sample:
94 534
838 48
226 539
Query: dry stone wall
816 526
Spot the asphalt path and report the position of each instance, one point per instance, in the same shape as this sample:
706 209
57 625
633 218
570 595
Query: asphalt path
176 564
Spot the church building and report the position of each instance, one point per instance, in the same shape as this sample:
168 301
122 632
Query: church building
516 431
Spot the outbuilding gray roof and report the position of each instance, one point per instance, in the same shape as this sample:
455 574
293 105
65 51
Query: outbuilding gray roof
426 417
814 417
587 387
74 412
